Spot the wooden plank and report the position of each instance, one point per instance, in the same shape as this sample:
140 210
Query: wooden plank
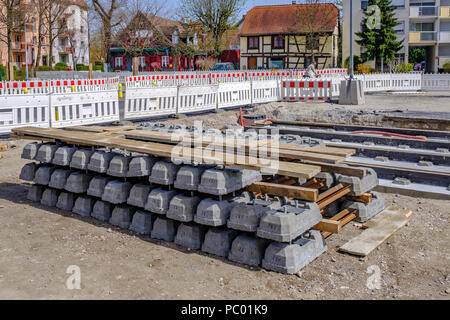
343 152
365 198
168 151
327 225
341 169
379 229
294 192
100 129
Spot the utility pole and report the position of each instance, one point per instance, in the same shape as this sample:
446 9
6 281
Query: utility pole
351 39
26 52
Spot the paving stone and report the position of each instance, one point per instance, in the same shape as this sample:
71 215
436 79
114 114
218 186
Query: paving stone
30 150
164 172
97 186
58 179
142 222
117 192
213 212
190 235
182 208
78 182
43 175
99 161
66 201
122 216
63 156
158 200
80 159
28 171
83 206
247 250
102 210
291 258
118 167
164 229
139 195
35 193
218 241
46 152
288 223
50 197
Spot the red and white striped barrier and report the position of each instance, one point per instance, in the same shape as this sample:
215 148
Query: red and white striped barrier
306 90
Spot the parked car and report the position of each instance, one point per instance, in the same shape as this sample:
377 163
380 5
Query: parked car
223 66
420 66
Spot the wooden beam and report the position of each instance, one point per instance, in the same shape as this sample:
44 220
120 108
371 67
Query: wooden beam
282 190
365 198
327 225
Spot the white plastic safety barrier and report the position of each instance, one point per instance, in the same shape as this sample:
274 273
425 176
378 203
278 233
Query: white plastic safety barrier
151 101
234 94
265 91
436 81
197 98
306 90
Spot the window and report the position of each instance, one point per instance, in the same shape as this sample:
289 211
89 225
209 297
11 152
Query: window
364 4
165 61
81 29
277 42
17 38
312 43
118 62
400 28
141 61
253 42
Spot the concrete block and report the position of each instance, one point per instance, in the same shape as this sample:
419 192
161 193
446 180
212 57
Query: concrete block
351 92
366 211
139 195
83 206
43 175
122 216
35 193
247 250
102 210
140 166
58 179
118 167
78 182
142 222
28 171
360 186
246 217
50 197
164 172
63 156
288 223
188 178
218 241
190 235
66 201
30 150
164 229
80 159
327 178
291 258
99 161
117 192
158 200
182 208
46 152
97 186
221 182
213 212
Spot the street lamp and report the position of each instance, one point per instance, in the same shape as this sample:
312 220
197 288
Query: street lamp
351 39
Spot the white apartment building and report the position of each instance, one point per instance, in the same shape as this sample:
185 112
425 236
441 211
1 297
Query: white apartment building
424 24
72 46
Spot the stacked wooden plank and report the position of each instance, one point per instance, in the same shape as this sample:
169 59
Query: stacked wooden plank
231 197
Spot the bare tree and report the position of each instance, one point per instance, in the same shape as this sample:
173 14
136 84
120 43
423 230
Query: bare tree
55 19
216 16
12 19
41 7
316 20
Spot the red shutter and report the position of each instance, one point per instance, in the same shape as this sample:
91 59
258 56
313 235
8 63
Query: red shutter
124 63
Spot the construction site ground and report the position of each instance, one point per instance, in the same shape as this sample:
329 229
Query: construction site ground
38 244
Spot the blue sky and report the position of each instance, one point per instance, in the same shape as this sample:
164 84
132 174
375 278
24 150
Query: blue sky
248 3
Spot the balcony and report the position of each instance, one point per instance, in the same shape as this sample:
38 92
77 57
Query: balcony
444 36
424 37
423 12
445 12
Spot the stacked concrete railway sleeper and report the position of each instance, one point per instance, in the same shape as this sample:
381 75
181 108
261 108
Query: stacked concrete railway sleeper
223 211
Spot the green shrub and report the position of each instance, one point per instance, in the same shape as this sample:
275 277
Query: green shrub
98 68
447 67
82 67
356 61
403 67
44 68
3 74
19 74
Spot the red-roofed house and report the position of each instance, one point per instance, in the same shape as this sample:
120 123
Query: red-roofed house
290 36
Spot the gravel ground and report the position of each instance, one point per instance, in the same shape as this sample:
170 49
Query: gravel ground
38 244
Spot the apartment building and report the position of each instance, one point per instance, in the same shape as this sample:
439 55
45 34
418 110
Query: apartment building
423 24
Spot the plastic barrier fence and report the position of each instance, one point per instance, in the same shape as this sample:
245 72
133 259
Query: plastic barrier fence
304 90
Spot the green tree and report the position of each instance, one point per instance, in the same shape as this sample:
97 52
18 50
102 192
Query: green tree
416 55
377 34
